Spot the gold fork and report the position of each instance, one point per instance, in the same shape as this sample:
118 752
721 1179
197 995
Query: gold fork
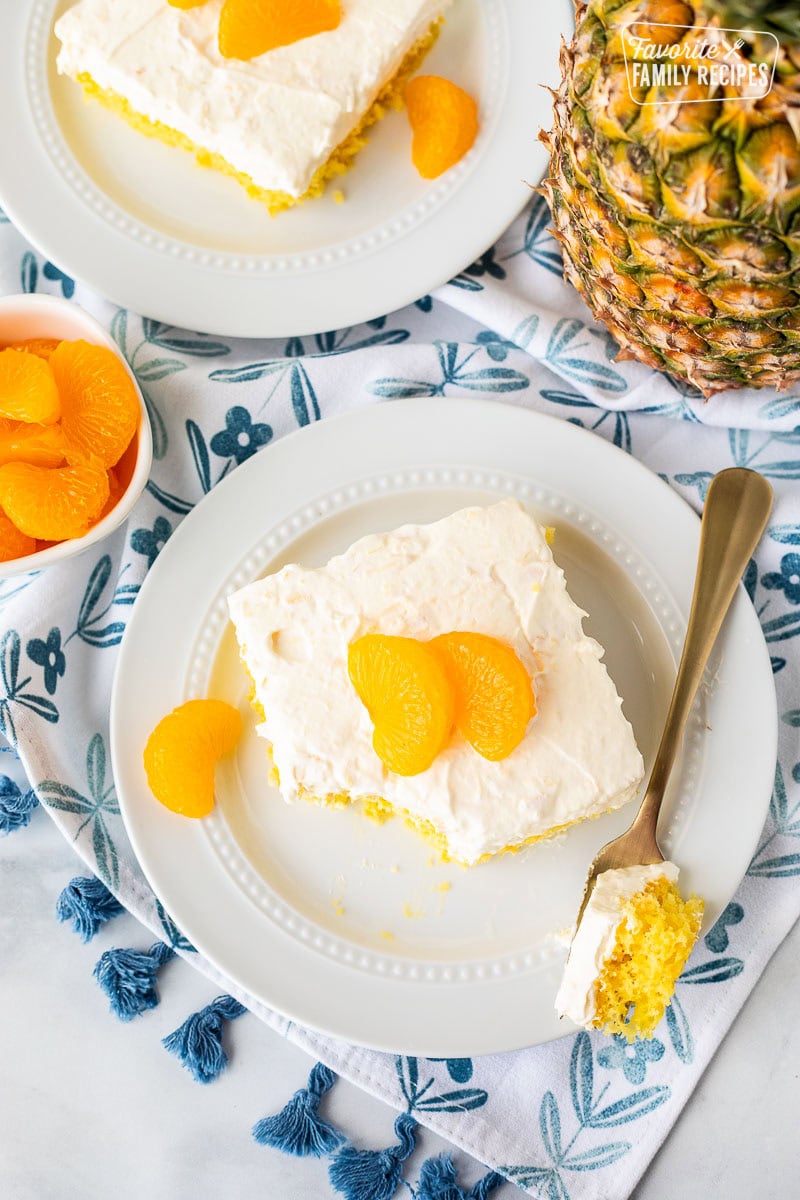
736 512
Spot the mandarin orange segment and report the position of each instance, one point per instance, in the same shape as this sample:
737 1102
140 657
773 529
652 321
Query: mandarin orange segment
186 3
52 503
183 750
99 405
248 28
406 692
115 490
28 390
42 347
444 122
493 695
20 441
13 543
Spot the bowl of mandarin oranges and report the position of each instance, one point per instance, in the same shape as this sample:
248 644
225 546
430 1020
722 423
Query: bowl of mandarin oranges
75 442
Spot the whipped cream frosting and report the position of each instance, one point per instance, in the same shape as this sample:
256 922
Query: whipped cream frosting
276 118
596 934
487 570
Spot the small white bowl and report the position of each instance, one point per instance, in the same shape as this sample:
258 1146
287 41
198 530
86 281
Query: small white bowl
31 316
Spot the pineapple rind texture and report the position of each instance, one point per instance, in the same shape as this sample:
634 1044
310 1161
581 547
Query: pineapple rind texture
780 17
680 221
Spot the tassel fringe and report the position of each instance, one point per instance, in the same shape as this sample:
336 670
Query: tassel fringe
128 978
87 902
374 1174
437 1181
298 1129
16 807
486 1185
198 1042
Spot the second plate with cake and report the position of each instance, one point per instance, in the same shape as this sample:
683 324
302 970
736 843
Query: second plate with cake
358 928
147 227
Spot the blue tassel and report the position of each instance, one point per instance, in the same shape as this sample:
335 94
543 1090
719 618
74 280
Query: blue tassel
437 1181
87 902
128 978
298 1128
486 1185
16 807
374 1174
198 1042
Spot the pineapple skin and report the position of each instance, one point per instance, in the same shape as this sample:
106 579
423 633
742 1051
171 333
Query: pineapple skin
680 223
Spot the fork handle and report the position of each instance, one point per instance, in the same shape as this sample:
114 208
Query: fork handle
736 512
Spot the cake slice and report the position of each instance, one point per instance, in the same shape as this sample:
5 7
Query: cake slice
482 570
283 123
632 943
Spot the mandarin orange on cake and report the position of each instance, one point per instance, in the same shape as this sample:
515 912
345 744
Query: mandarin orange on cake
52 503
405 690
99 405
493 695
28 390
183 750
444 122
248 28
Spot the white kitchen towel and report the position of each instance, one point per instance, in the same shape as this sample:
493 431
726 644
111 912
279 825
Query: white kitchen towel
578 1118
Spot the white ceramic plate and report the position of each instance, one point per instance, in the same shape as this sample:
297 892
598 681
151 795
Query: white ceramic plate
258 886
148 228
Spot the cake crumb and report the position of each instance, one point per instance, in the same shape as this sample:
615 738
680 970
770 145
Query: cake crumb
338 196
378 811
395 870
387 934
336 893
413 914
444 886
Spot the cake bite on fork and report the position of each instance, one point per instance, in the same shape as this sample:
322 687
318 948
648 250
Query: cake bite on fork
634 932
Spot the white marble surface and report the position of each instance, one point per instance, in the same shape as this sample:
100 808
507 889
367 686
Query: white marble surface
91 1108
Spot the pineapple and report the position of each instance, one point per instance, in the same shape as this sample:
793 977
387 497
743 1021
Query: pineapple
680 221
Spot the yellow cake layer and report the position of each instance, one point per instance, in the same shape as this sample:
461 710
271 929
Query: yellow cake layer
653 941
379 810
342 159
